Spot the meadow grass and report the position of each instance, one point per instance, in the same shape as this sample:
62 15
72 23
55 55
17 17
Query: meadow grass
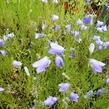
23 18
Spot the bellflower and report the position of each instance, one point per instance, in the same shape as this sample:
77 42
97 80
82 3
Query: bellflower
99 23
41 64
45 1
1 89
102 28
63 87
73 55
91 48
54 18
50 101
100 47
8 36
96 65
79 22
56 49
2 43
100 91
107 80
55 1
26 71
68 27
3 52
83 27
77 36
16 64
106 44
59 61
95 38
90 93
39 35
55 28
86 19
74 97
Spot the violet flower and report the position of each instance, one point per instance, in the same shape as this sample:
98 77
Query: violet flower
8 36
74 97
1 89
2 43
99 23
106 44
50 101
79 22
86 19
54 18
56 49
90 93
59 61
55 28
63 87
100 91
68 27
96 65
16 64
107 80
41 64
3 52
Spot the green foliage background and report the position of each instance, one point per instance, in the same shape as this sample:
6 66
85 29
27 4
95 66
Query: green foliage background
23 17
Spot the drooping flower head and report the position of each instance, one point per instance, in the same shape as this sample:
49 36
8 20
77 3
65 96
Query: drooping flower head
3 52
54 18
2 43
106 44
86 19
100 91
8 36
39 35
96 65
41 64
55 1
55 28
63 87
45 1
56 49
59 61
91 48
16 64
79 22
50 101
90 93
1 89
74 97
68 27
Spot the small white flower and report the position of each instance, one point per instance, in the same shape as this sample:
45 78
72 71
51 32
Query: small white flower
91 48
17 64
55 1
54 18
79 22
83 27
45 1
39 35
68 27
99 23
26 71
3 52
8 36
1 89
